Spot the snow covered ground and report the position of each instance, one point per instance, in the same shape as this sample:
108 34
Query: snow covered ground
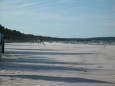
57 64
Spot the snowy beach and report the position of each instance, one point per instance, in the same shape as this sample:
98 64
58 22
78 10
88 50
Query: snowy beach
57 64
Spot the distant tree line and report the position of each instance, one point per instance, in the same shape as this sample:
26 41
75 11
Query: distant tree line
13 36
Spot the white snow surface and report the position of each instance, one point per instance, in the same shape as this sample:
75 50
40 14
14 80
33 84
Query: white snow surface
57 64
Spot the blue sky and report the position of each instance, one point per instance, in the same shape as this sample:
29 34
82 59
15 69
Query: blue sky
60 18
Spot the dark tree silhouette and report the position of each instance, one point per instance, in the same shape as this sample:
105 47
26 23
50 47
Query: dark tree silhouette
13 35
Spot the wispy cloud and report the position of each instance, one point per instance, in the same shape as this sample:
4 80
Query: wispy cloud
59 13
28 4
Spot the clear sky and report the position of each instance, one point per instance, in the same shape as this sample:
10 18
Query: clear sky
60 18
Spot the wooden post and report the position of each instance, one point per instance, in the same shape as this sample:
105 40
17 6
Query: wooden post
3 47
